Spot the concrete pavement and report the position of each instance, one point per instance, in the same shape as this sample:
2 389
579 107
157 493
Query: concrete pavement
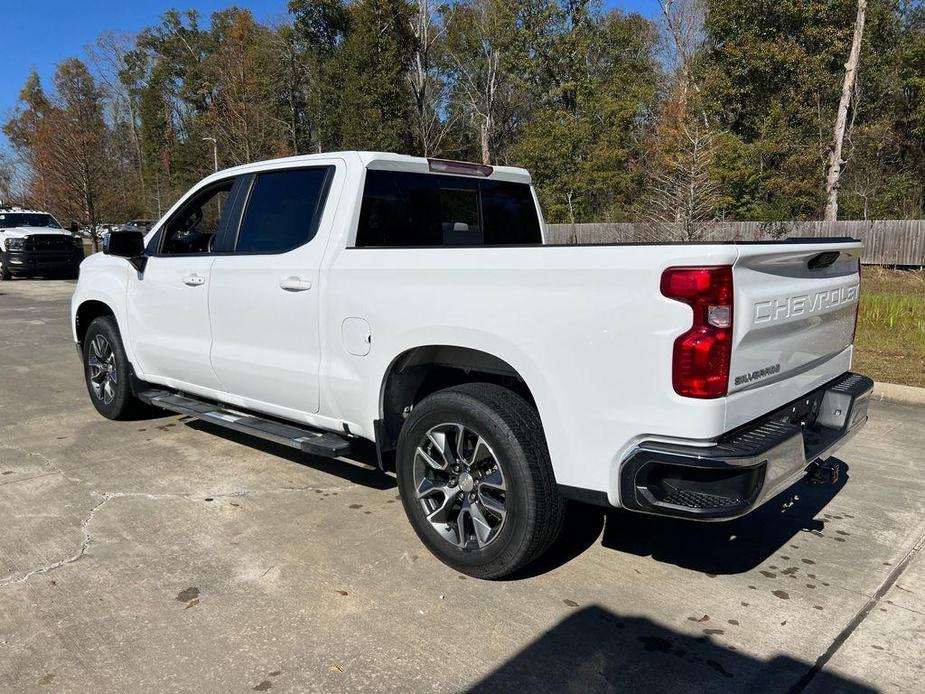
166 555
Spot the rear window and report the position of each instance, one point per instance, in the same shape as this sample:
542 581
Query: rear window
410 209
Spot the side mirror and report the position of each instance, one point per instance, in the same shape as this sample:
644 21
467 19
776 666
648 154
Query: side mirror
127 244
73 228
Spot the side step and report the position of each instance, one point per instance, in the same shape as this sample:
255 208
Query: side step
313 441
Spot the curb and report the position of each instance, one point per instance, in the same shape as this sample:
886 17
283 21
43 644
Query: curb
894 392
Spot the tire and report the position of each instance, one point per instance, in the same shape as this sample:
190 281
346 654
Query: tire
5 274
510 510
107 370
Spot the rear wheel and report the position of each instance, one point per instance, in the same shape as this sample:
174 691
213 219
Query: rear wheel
107 370
476 481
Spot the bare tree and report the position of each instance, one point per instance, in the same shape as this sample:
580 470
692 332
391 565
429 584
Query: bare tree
428 87
682 28
874 155
684 193
835 164
477 55
110 57
291 78
7 174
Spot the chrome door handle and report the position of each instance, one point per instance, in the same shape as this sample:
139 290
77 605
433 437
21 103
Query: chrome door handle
194 280
295 284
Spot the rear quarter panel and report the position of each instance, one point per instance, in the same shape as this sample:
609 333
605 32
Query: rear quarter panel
586 327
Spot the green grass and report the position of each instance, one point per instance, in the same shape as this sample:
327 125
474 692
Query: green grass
891 327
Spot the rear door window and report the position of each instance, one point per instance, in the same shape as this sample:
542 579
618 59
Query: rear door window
410 209
283 210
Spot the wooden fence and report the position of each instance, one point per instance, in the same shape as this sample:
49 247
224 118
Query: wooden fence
886 242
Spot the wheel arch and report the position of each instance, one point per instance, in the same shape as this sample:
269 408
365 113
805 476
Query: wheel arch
88 311
419 371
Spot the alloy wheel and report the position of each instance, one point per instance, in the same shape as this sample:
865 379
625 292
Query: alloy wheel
102 366
460 485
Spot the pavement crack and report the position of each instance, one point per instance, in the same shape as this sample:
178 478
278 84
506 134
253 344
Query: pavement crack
49 463
106 497
858 618
77 556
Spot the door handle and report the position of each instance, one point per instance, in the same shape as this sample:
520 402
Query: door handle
295 284
194 280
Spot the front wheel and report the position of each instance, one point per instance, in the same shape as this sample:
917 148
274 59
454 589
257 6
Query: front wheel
107 370
5 273
476 481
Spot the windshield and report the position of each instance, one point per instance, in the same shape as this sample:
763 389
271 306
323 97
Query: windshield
27 219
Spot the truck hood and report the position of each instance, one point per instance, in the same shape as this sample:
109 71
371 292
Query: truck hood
23 232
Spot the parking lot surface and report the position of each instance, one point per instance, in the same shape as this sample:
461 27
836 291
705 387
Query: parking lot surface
165 555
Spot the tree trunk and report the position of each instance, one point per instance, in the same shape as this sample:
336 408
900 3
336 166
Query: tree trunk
136 145
484 136
834 169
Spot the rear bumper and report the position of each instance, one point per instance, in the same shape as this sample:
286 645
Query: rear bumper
38 262
749 465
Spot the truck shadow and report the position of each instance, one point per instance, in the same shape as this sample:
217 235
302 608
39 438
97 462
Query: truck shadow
730 547
596 650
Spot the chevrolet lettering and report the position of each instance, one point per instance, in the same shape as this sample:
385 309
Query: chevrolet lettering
804 304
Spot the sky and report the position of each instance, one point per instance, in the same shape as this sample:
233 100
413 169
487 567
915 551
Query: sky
40 33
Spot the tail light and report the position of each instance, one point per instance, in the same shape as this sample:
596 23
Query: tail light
700 363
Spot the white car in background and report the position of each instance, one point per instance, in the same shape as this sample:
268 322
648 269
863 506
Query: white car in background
322 300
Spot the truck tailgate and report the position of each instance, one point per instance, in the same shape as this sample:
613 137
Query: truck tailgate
795 307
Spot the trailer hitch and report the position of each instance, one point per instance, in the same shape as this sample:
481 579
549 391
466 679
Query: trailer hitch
824 471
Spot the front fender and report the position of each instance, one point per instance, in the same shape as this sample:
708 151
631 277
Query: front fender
104 279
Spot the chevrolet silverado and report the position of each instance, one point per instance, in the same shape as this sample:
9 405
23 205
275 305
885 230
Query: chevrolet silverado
321 300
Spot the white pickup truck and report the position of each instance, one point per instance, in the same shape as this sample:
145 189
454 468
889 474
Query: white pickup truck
319 300
33 243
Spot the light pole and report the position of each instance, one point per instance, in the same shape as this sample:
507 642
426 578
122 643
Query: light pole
214 150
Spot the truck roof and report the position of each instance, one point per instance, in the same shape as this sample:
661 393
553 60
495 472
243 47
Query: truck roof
382 160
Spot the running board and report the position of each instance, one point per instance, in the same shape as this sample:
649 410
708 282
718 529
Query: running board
313 441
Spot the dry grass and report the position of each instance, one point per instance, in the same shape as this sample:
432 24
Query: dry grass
891 329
